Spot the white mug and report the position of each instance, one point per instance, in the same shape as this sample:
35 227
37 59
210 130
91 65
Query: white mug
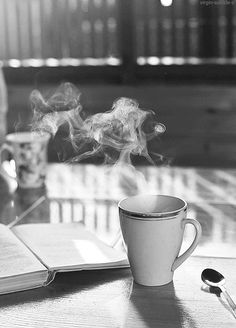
29 152
152 228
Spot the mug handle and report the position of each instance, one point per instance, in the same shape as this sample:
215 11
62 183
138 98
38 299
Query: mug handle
8 148
179 260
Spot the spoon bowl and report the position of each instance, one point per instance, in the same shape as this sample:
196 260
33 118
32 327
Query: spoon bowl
212 278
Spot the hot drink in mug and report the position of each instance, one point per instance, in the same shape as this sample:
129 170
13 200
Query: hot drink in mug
152 228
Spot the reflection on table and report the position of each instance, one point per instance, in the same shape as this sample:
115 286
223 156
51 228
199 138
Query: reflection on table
90 194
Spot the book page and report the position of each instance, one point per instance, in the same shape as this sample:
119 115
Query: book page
68 246
15 258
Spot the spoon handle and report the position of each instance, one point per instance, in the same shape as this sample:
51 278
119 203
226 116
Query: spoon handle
229 299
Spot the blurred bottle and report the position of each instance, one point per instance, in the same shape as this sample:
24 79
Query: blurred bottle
3 106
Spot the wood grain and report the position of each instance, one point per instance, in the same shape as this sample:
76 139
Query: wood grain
109 298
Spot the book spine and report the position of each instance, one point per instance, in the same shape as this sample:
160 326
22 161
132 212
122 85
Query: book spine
193 28
166 31
153 45
139 28
222 31
112 29
234 30
50 278
179 28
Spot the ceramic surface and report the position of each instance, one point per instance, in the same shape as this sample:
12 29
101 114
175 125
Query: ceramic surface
29 151
153 228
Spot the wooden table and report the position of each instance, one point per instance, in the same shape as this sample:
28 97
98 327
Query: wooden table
109 298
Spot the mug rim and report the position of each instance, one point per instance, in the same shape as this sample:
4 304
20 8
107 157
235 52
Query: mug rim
153 215
36 136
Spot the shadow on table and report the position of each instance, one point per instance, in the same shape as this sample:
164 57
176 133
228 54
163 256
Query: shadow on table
157 307
68 285
218 293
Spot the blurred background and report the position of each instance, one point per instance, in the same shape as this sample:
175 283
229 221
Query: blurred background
176 57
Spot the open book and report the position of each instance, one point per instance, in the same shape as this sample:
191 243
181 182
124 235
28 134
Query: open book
31 254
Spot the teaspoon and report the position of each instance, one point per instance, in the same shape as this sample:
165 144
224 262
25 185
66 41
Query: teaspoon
214 278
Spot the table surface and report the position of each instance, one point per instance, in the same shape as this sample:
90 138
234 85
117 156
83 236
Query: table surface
109 298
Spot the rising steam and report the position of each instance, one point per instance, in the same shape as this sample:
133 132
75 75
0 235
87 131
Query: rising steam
121 129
